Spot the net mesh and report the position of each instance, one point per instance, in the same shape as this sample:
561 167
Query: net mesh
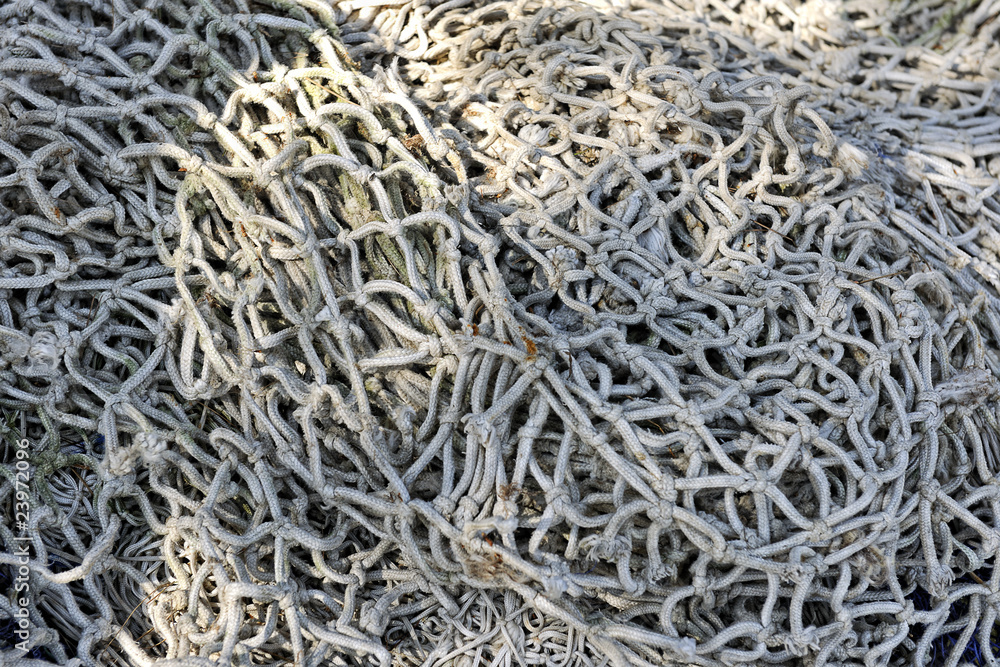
478 333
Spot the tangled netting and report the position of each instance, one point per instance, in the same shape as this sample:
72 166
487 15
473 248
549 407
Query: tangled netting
499 333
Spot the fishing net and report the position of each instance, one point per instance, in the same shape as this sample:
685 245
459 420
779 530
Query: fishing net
499 333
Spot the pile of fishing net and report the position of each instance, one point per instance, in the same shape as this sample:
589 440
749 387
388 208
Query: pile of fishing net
486 333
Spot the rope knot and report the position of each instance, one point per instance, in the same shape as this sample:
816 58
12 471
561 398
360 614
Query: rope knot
879 361
821 531
445 506
480 430
488 246
117 168
929 489
182 259
151 446
361 300
192 164
373 620
610 413
87 46
664 488
432 345
141 82
754 482
258 451
560 345
662 513
119 461
139 18
689 417
307 248
631 353
605 547
802 643
555 586
73 224
317 395
280 78
467 508
44 351
558 499
130 109
263 178
697 279
59 120
808 432
938 580
929 403
647 310
207 121
201 390
599 258
27 167
503 174
70 77
404 514
437 150
287 600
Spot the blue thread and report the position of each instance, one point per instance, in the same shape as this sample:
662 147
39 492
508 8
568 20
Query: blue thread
945 644
54 561
97 443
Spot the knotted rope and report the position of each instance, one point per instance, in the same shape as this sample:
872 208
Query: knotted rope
538 333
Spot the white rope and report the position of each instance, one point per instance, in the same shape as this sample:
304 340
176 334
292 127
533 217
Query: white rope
549 333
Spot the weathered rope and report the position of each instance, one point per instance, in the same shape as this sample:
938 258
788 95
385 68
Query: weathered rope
795 290
576 333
